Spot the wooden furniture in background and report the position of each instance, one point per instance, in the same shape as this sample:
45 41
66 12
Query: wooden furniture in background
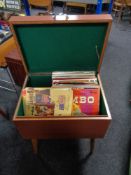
41 3
15 66
4 48
128 3
117 5
85 1
120 6
77 4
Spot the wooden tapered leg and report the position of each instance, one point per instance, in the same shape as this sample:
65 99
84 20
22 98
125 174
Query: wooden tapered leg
35 145
92 145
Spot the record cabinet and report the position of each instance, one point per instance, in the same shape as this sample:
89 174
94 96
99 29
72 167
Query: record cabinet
61 43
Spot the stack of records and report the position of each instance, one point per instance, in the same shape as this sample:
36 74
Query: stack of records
71 94
85 87
74 79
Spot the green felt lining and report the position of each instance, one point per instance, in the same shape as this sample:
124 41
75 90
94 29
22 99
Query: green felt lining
40 81
61 47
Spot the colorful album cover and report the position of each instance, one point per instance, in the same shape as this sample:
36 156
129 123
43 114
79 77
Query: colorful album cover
37 102
86 101
62 98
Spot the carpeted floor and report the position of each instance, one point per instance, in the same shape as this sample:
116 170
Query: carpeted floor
56 157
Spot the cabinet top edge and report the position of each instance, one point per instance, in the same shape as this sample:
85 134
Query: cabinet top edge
105 18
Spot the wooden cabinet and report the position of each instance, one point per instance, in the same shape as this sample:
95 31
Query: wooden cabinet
76 43
16 67
5 47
